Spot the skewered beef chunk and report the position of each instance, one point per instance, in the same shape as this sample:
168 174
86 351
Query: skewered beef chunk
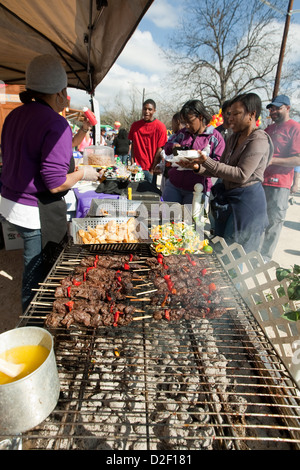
94 293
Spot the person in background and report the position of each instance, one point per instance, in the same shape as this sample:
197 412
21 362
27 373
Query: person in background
177 124
148 137
38 168
278 177
82 137
295 185
196 134
225 129
122 146
240 209
102 136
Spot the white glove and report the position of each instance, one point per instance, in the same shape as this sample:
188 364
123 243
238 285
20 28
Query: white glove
90 174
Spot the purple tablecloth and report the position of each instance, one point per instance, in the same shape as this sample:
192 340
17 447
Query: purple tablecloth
84 201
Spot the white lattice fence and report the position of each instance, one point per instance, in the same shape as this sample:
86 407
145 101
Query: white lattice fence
257 284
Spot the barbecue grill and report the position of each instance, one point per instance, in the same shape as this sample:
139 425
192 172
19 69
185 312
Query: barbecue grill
158 385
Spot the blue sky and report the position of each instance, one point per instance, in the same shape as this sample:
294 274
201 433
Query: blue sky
142 66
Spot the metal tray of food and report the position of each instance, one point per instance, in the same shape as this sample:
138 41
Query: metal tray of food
103 233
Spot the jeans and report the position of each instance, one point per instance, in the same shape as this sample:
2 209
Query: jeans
173 194
277 205
33 265
124 159
148 176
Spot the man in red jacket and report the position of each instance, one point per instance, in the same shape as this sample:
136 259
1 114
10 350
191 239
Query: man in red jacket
148 137
278 177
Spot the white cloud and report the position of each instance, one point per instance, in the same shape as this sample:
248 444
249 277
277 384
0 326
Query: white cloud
142 53
164 14
140 66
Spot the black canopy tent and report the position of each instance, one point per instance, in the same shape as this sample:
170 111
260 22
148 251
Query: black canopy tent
87 35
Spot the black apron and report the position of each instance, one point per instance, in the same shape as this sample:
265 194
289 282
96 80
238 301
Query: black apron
53 217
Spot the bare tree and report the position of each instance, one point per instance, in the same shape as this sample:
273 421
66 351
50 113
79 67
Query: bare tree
226 47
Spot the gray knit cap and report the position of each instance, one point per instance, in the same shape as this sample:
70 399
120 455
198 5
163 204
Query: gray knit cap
46 74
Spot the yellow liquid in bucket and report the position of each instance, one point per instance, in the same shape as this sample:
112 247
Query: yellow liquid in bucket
32 356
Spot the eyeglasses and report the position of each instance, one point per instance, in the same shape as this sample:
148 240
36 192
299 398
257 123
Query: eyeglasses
276 108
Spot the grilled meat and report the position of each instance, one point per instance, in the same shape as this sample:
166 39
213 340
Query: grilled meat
93 294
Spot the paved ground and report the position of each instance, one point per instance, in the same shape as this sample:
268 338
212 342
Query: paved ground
287 254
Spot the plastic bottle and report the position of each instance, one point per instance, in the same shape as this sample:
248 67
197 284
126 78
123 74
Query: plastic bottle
197 202
90 116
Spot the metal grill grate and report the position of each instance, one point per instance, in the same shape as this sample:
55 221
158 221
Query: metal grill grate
155 385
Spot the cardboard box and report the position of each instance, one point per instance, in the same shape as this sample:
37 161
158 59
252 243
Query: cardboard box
12 239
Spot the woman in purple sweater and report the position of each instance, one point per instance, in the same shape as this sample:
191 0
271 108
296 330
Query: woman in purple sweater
196 134
38 167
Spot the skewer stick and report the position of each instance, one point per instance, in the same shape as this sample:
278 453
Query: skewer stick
138 270
48 304
43 290
142 318
49 284
147 299
133 262
65 267
146 292
143 285
36 317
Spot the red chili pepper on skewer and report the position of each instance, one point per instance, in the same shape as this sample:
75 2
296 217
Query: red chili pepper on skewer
70 305
87 270
131 257
193 263
204 271
116 318
165 300
212 287
96 261
167 315
76 283
126 267
160 258
188 257
69 291
198 281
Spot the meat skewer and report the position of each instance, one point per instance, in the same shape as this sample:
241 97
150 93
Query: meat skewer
182 288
